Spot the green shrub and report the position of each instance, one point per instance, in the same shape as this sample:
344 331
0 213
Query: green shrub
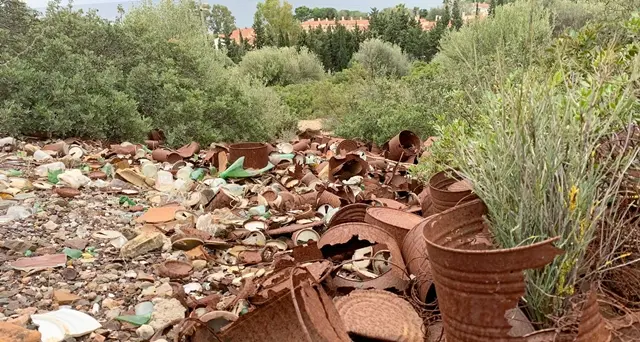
155 68
380 58
530 153
513 38
67 86
281 66
381 109
574 15
322 99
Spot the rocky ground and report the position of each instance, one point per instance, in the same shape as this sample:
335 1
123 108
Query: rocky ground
95 230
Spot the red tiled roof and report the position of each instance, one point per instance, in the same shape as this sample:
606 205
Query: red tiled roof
247 33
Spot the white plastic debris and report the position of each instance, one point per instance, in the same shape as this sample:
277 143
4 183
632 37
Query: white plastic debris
8 141
41 155
74 178
43 170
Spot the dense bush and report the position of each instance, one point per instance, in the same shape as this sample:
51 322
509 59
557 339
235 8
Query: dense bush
514 37
281 66
380 58
529 150
381 109
155 68
574 15
68 85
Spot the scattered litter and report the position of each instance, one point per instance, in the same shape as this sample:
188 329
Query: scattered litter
57 325
39 263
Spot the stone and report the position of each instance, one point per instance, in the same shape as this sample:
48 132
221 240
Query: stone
76 243
166 311
50 225
145 332
143 243
14 333
113 313
64 297
164 290
149 291
19 246
110 303
199 265
131 274
21 320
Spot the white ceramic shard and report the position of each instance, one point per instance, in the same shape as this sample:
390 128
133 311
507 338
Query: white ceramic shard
56 325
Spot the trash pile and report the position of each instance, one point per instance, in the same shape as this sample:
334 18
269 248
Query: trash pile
319 239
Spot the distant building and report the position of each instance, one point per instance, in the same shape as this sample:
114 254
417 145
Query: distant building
362 24
350 24
469 11
245 33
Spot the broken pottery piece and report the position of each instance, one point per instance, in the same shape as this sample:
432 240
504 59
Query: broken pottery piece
39 263
160 214
57 325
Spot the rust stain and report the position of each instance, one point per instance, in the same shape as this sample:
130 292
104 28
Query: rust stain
276 321
187 151
404 146
349 213
174 269
592 327
256 155
477 286
351 236
347 166
414 253
395 222
163 155
346 146
380 315
442 197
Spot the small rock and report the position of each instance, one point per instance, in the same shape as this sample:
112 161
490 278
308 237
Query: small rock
199 265
113 313
145 332
76 243
69 273
149 291
50 225
142 244
64 297
131 274
110 303
21 321
14 333
19 246
164 290
166 311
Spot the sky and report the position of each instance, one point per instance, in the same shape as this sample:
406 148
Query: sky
243 9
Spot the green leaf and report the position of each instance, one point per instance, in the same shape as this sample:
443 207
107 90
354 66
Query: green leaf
135 319
52 176
14 173
28 253
72 253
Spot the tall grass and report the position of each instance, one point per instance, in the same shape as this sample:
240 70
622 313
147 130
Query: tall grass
532 158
